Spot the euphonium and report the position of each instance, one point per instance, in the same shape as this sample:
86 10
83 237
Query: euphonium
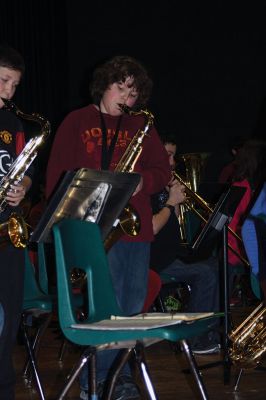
129 222
248 340
193 164
15 229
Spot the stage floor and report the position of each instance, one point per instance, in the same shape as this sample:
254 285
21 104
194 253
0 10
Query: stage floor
166 367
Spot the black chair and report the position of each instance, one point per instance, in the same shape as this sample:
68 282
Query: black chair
36 316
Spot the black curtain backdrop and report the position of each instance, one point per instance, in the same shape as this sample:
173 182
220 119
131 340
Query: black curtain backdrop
38 30
207 61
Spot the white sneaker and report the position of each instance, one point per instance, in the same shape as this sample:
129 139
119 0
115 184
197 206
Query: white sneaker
83 395
211 349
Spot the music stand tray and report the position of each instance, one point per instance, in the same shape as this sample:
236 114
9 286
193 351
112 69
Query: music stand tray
222 213
86 194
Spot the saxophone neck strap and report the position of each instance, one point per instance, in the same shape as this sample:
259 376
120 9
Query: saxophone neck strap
107 152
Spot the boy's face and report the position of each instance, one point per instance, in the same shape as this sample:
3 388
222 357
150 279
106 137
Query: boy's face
119 93
9 80
171 151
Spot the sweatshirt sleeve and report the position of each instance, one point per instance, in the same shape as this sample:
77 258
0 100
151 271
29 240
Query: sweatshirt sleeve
61 155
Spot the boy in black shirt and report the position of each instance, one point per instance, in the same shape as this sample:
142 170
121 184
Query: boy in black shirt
168 255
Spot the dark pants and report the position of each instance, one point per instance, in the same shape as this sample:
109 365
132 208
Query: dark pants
204 281
203 278
11 297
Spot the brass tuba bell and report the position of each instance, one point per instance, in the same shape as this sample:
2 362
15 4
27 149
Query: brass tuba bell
248 340
192 170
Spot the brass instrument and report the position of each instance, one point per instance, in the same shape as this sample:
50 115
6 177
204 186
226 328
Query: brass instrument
129 222
194 198
248 340
15 229
193 164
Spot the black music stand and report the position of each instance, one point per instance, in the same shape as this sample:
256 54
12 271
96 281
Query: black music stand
86 194
217 225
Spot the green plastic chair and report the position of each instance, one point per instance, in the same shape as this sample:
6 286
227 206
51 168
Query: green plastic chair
78 244
42 261
36 316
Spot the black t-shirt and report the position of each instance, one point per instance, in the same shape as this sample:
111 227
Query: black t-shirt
10 125
166 246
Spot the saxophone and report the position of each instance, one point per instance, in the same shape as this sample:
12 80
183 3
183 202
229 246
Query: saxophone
15 228
129 222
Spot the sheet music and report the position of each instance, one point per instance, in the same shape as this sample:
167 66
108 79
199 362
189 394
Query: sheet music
144 321
95 202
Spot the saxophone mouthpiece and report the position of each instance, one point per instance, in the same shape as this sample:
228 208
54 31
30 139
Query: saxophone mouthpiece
4 100
124 108
9 105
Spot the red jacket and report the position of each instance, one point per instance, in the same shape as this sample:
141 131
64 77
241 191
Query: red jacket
78 144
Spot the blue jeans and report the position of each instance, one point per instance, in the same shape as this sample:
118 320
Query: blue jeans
1 318
129 266
203 278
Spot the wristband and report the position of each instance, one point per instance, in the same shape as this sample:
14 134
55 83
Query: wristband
171 208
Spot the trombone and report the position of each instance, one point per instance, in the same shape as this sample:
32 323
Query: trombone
204 205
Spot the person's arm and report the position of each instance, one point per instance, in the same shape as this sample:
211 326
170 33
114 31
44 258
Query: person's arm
176 196
18 191
153 165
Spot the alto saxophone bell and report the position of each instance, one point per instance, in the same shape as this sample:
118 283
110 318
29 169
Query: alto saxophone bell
129 221
14 230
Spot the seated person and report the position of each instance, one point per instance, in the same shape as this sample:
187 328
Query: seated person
167 256
228 170
250 173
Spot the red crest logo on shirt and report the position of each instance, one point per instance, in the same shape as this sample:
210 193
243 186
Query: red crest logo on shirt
6 137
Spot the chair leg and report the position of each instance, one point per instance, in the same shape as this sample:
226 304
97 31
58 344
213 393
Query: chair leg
62 350
238 379
122 360
36 345
160 304
194 369
143 368
87 354
32 358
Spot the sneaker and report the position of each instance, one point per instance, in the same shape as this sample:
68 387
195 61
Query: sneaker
125 389
83 395
210 349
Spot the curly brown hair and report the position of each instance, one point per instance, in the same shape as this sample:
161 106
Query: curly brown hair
250 162
117 69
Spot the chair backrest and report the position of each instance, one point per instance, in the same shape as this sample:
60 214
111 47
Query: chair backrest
78 244
32 289
253 234
42 268
154 287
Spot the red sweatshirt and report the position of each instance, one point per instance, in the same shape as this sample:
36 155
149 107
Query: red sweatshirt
236 223
78 144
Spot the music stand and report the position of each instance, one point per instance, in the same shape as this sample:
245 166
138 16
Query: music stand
86 194
217 224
